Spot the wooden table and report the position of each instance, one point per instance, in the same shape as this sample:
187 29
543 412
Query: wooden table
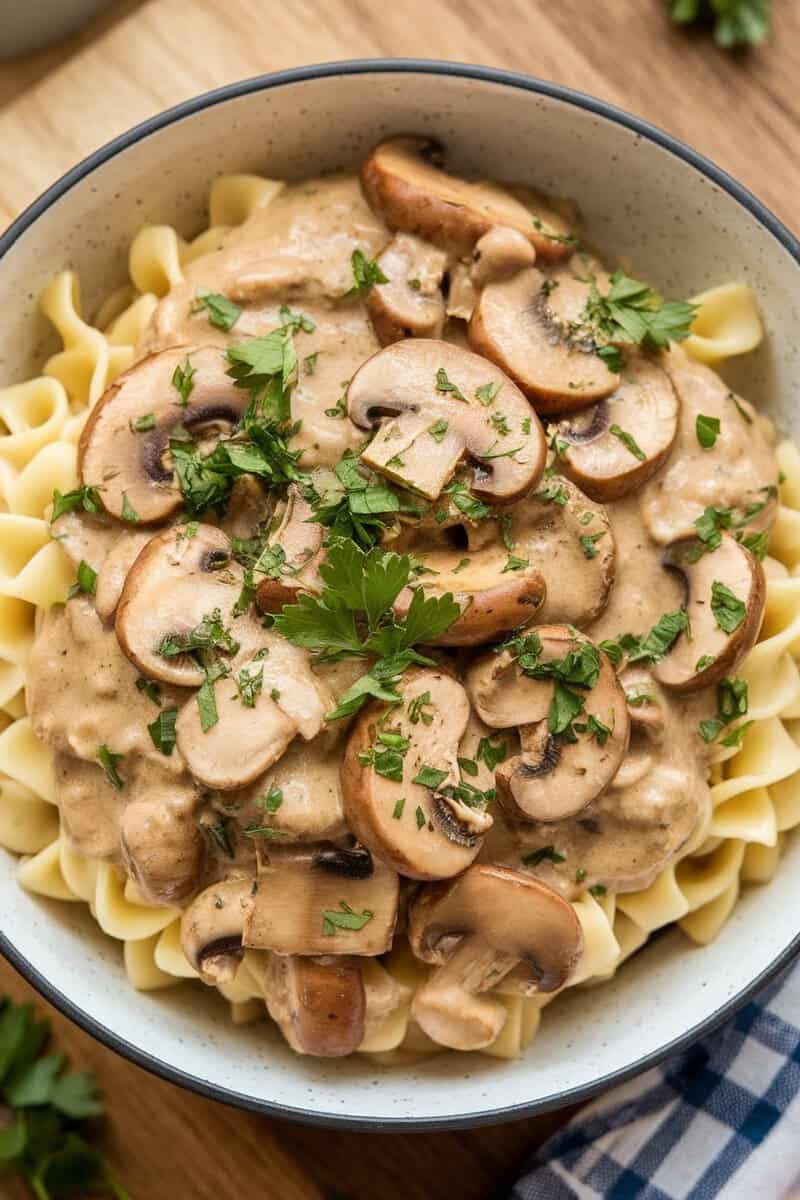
743 111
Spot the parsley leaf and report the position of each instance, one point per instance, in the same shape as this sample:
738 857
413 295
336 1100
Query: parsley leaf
486 393
729 611
144 423
210 634
491 752
221 312
366 272
108 761
87 581
632 312
183 381
587 541
628 442
86 498
344 918
545 854
162 730
443 384
706 430
438 430
732 702
735 22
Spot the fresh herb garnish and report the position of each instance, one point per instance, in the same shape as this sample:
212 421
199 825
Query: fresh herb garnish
729 612
486 393
128 513
144 423
149 689
108 761
465 502
183 381
706 430
628 442
429 777
732 702
210 634
587 541
162 730
443 384
736 23
514 563
87 581
249 684
491 752
438 430
631 312
366 273
221 312
344 918
552 492
271 800
86 498
545 854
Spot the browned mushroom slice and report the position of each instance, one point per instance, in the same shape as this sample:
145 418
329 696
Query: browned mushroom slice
130 466
412 816
261 706
411 303
162 846
319 1003
499 254
114 571
496 591
573 737
323 899
569 539
211 928
300 797
532 327
178 580
297 546
403 180
616 445
477 929
435 404
725 596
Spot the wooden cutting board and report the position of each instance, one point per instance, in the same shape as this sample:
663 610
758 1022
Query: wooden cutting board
741 110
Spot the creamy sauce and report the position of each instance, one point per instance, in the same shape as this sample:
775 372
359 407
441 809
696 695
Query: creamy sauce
172 830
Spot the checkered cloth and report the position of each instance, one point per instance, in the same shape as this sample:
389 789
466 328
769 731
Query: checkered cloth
721 1121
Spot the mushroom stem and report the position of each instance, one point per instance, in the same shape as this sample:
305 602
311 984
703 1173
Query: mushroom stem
449 1007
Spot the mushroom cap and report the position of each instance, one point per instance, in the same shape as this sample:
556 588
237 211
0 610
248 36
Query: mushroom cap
319 1003
300 537
411 303
499 254
397 388
307 778
532 924
125 464
162 846
211 928
422 837
174 582
298 885
569 539
645 406
247 739
114 571
734 567
553 777
525 329
494 599
402 180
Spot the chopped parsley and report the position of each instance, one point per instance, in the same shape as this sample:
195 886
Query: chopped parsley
487 392
86 498
86 583
632 312
545 854
587 541
729 612
271 800
397 811
707 430
514 563
108 761
430 777
491 752
162 730
366 273
183 381
552 492
149 689
732 702
144 423
438 430
249 685
129 513
443 384
465 502
221 312
417 707
344 918
628 441
210 634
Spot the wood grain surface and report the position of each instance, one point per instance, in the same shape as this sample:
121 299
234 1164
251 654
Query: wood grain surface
55 107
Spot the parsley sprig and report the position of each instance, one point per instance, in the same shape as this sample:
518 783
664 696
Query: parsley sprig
579 668
42 1113
736 22
632 312
353 618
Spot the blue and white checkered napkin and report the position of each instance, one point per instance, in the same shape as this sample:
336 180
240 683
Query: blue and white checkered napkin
720 1121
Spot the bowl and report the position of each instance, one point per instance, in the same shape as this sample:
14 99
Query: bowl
686 226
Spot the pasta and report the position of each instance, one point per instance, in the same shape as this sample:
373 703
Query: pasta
755 797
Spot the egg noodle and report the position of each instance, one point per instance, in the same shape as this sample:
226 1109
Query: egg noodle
755 793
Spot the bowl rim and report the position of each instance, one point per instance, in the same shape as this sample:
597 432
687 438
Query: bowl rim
481 74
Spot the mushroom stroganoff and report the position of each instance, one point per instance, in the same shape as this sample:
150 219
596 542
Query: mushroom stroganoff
419 567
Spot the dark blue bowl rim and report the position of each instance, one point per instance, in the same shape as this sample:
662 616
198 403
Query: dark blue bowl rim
652 133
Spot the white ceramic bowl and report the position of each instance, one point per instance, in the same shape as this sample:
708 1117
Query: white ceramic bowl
685 225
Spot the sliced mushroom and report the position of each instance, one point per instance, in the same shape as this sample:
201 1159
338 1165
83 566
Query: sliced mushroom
178 578
114 571
211 929
554 776
162 847
425 398
248 508
495 591
499 254
477 929
323 899
298 539
318 1003
411 303
569 539
288 700
725 597
616 445
131 468
646 710
403 180
300 797
425 832
533 328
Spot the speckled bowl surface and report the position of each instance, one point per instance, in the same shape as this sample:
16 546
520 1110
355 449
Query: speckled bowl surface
681 223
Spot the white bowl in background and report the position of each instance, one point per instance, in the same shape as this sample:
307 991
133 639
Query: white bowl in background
684 225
